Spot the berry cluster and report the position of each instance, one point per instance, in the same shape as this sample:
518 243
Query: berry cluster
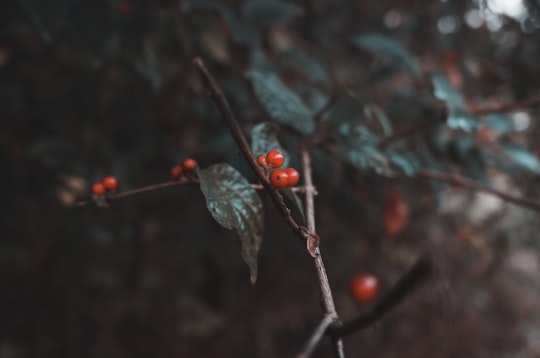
187 165
279 178
109 183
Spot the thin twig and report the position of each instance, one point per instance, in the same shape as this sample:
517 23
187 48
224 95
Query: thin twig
217 95
471 184
313 248
401 289
506 107
145 189
316 336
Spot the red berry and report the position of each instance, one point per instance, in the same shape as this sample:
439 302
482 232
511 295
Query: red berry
275 159
363 287
98 189
176 171
110 182
293 176
279 179
261 160
189 164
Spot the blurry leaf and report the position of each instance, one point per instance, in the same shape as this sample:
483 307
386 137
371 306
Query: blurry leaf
241 33
270 12
282 104
360 147
235 205
499 123
407 162
308 65
295 200
264 139
458 115
380 45
522 157
313 98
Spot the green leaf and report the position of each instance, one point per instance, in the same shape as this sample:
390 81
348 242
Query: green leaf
360 147
499 123
379 45
308 65
458 115
270 12
264 139
282 104
241 33
407 162
235 205
521 157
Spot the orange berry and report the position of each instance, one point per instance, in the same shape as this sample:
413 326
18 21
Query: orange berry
176 171
275 159
396 212
261 160
279 179
110 182
189 164
98 189
293 175
363 287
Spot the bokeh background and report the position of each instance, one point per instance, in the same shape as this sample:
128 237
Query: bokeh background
92 88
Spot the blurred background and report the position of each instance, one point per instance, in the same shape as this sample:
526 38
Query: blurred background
103 87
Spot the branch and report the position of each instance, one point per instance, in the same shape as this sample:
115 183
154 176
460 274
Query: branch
216 94
471 184
316 337
308 234
396 295
111 197
331 316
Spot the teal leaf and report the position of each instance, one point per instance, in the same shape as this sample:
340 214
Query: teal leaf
235 205
379 45
307 65
264 139
521 157
499 123
458 115
405 161
360 147
270 12
281 104
242 33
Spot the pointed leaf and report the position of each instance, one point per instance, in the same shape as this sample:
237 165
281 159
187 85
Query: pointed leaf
458 115
360 147
499 123
282 104
407 162
306 64
379 45
235 205
522 157
264 139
